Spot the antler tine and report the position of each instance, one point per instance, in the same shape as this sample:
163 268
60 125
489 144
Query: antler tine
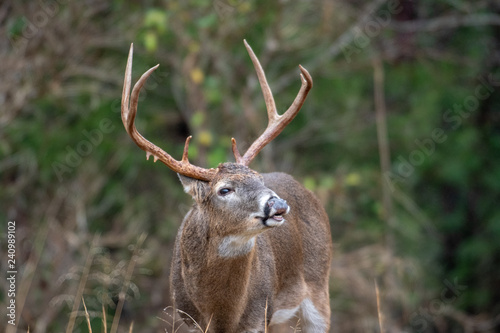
129 111
272 113
276 123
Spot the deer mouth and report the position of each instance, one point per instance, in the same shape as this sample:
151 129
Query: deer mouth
273 221
274 211
278 218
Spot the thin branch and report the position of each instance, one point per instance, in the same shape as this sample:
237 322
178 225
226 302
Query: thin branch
350 34
446 22
367 14
383 140
346 38
385 163
104 320
98 74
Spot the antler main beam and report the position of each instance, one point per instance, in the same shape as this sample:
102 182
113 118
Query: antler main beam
276 122
129 111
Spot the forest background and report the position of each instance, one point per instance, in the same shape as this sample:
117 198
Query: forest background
399 138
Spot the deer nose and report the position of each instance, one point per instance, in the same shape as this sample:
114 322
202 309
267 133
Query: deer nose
276 206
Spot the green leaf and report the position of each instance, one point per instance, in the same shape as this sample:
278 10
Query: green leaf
156 19
150 40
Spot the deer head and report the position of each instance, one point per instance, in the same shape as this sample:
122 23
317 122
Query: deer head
226 269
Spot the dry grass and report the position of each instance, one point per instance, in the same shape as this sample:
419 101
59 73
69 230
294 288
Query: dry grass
353 291
83 281
87 316
379 311
171 313
351 272
81 286
125 286
173 321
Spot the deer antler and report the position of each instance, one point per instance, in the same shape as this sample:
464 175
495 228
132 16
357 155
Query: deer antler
276 122
182 167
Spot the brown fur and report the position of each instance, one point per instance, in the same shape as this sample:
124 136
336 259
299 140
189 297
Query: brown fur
286 264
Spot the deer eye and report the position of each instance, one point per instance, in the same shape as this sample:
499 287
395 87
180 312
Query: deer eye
225 191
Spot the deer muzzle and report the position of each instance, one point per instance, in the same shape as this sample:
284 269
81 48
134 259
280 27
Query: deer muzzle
274 210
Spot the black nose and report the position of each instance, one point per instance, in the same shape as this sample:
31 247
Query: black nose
276 206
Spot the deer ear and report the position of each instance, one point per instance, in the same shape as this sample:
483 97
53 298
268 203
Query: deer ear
198 189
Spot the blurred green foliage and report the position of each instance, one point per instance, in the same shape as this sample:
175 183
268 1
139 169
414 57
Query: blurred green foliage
68 166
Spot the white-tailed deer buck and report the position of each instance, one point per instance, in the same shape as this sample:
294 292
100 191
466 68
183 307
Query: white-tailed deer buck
255 249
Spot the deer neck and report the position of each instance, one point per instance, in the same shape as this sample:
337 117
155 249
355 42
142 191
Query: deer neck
207 249
233 246
223 277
